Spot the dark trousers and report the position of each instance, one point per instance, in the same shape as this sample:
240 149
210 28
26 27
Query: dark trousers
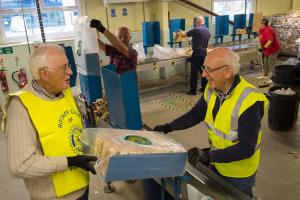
243 184
196 63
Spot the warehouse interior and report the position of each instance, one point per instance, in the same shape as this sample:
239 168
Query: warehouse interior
155 93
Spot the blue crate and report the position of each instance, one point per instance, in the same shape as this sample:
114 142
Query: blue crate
123 98
143 166
91 87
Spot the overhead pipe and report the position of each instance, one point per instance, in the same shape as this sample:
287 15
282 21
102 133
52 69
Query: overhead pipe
202 9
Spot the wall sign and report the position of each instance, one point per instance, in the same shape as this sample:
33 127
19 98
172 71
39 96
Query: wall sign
6 50
113 12
124 11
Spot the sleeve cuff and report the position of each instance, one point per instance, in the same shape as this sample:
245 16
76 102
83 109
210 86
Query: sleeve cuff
61 163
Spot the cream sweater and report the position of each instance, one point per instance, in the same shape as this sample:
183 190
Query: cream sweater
25 155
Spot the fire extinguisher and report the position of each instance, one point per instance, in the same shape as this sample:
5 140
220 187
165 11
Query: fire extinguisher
3 80
22 78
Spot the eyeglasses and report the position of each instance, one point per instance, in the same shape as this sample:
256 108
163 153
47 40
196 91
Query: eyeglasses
207 70
64 68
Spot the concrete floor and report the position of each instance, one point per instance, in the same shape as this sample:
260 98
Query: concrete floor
278 176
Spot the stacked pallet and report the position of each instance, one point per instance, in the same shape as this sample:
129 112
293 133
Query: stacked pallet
287 28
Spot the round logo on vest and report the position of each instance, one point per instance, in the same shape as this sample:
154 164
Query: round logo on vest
74 138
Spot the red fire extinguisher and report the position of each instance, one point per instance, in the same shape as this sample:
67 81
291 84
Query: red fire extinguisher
3 80
22 78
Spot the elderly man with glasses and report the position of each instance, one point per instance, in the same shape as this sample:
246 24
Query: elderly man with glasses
232 109
43 127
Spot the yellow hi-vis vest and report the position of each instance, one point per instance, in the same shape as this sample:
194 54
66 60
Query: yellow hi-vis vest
59 126
222 132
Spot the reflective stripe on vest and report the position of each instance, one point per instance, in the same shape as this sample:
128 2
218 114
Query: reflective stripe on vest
233 134
59 128
235 113
215 148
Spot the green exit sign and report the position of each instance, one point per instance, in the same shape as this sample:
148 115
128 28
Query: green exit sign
6 50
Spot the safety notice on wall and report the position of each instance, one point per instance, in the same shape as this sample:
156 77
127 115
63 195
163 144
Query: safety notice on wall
6 50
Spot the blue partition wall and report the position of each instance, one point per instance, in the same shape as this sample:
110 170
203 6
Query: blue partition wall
250 26
239 22
250 23
221 27
174 26
151 34
123 100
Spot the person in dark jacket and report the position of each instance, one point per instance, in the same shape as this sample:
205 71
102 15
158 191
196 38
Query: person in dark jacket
232 109
200 37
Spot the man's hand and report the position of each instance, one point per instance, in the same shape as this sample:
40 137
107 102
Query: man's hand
82 162
163 128
97 24
177 36
196 155
260 49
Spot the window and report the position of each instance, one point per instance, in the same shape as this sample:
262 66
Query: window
231 7
58 18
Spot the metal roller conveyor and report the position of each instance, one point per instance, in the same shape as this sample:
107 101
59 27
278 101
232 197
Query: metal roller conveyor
153 64
247 54
212 185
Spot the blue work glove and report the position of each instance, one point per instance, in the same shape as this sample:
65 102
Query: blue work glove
165 128
83 162
196 155
97 24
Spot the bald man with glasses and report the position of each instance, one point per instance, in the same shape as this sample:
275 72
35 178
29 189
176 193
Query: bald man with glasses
232 110
200 38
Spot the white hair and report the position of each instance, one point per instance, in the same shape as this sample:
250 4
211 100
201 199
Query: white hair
201 19
39 60
231 58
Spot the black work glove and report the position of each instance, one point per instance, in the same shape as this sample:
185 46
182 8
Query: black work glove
163 128
97 24
261 49
196 155
82 162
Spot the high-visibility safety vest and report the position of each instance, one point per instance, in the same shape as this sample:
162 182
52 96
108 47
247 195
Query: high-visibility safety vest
58 124
223 131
